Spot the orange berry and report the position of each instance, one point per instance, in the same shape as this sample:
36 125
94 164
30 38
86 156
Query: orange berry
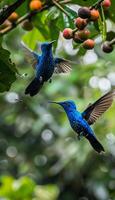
13 17
88 44
83 34
27 25
80 23
67 33
35 5
94 14
106 4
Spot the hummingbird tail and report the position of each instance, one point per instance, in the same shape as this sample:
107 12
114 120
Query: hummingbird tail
95 143
34 87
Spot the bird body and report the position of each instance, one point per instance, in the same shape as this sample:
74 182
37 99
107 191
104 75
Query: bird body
77 122
45 65
80 122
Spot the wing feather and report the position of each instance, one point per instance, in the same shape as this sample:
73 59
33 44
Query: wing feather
31 56
95 110
62 66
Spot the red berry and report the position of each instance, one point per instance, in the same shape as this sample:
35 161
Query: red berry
76 38
106 4
94 14
84 12
106 47
88 44
80 23
83 34
67 33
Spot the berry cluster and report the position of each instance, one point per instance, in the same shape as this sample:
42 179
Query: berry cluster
80 34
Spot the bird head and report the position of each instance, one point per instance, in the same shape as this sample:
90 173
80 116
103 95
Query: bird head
47 45
67 105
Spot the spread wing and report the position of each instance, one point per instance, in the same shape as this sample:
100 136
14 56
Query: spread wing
62 66
31 56
95 110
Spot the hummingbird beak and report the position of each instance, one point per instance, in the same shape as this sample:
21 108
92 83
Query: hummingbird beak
53 102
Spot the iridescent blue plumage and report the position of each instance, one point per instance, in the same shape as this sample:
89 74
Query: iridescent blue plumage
45 65
80 122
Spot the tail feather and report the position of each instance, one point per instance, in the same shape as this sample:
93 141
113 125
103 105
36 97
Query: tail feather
95 143
34 87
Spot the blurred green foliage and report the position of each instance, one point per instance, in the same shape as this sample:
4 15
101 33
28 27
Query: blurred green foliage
24 188
40 156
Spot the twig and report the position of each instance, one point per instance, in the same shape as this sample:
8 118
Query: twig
21 19
65 1
96 5
27 16
112 42
60 7
7 11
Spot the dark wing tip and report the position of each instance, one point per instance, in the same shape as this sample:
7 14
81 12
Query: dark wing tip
95 110
26 92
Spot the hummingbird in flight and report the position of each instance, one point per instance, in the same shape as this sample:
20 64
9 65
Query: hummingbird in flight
81 122
45 66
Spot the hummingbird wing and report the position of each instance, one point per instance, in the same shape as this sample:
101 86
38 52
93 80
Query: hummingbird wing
62 66
31 56
95 110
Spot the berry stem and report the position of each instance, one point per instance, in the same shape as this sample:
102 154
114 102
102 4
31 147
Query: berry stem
112 42
75 30
104 27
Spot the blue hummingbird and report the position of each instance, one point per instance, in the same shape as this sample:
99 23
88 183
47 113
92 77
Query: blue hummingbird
80 122
45 66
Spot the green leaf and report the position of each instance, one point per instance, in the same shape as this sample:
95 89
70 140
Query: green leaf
31 38
111 11
110 35
7 70
84 3
70 11
40 24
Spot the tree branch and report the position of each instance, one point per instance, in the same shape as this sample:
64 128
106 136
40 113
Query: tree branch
57 4
7 11
28 16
